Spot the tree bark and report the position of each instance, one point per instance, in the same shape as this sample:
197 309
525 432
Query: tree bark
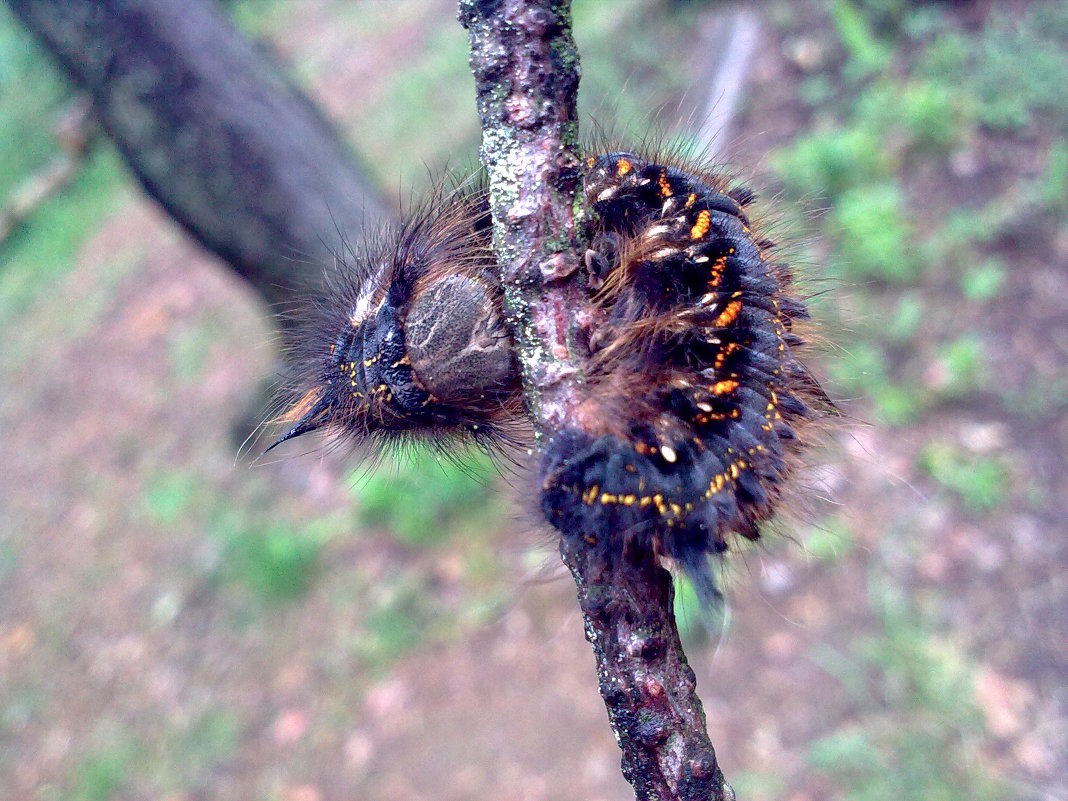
526 72
231 150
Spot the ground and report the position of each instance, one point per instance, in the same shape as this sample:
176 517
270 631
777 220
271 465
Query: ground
178 621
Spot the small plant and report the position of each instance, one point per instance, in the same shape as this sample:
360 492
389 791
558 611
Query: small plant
830 540
1014 69
979 481
828 163
984 281
417 499
170 494
874 237
274 560
963 366
867 55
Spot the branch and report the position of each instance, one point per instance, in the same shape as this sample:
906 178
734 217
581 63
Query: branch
526 71
232 150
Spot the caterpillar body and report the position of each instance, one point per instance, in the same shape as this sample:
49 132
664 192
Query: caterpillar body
688 424
695 393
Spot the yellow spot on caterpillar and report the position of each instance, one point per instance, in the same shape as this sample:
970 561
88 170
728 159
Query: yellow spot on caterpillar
665 187
590 162
668 453
369 362
623 167
608 497
723 387
728 315
724 352
590 494
700 227
402 361
690 200
627 500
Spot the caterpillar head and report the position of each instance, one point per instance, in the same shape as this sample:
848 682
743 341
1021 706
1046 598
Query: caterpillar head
409 341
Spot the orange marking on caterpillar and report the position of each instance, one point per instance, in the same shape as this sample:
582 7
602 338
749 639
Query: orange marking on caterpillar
723 353
623 167
723 387
301 407
728 315
700 226
665 186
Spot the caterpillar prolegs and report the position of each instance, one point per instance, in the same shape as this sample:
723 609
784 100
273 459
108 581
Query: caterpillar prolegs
694 392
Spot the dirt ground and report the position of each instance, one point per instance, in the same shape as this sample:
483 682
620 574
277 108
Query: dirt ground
130 667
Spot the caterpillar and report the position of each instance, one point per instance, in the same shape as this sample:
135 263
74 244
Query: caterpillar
407 342
694 394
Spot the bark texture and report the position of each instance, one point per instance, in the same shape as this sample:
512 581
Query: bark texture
231 150
526 71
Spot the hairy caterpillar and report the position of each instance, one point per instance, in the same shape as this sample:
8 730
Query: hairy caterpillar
694 392
408 340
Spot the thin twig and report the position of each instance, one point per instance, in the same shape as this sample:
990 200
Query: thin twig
526 71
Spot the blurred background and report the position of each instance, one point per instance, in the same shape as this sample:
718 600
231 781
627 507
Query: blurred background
176 623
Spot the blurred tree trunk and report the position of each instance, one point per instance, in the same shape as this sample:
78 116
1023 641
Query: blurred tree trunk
235 153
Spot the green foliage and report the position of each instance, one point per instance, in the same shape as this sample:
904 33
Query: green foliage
866 54
918 718
963 363
31 92
1052 187
420 500
257 17
696 623
1014 68
861 372
984 281
979 481
44 249
425 89
828 163
874 236
830 540
102 775
924 114
273 560
395 625
168 495
906 319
